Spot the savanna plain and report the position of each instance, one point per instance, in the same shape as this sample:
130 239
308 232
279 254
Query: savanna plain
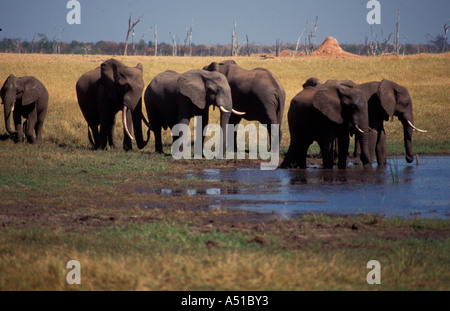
62 201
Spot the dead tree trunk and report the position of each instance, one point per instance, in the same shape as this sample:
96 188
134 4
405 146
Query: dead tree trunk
298 41
131 26
277 48
313 35
174 44
445 38
397 31
248 48
233 40
190 38
156 41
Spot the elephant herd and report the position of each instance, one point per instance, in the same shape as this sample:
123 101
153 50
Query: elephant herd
327 113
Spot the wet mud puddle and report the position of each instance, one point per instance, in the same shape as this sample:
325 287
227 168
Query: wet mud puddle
400 189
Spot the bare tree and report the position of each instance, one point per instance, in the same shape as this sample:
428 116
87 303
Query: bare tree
174 44
306 39
58 42
384 45
188 39
156 41
248 48
397 31
131 26
277 48
142 37
191 29
233 41
446 28
32 43
298 40
312 40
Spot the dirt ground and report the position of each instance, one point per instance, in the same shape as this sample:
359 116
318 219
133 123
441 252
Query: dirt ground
91 215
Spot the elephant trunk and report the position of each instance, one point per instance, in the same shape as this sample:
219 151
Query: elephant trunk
407 137
364 145
138 117
224 120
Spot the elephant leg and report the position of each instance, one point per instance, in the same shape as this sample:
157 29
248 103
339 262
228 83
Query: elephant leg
381 148
38 130
106 129
41 112
112 139
343 142
158 139
373 138
235 120
296 155
30 129
205 121
18 126
303 153
326 148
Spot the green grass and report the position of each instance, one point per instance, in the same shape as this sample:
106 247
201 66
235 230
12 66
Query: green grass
171 255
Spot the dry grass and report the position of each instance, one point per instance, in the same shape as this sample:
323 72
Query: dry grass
426 76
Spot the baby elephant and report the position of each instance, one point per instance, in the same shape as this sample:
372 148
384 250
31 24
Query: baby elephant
24 97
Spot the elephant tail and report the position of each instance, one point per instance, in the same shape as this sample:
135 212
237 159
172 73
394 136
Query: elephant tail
281 98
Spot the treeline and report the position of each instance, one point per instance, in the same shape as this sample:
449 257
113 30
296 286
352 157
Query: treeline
45 46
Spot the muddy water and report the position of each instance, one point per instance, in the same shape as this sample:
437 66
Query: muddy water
407 190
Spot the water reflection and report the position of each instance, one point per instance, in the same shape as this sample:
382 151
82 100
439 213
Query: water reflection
406 190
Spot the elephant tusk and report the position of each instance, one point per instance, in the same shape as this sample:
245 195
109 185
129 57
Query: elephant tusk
223 110
124 121
415 128
360 130
237 112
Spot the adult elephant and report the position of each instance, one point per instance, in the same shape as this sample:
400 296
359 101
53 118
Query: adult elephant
386 99
257 92
172 98
104 91
322 113
24 97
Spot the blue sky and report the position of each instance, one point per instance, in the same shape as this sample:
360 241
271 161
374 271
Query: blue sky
264 21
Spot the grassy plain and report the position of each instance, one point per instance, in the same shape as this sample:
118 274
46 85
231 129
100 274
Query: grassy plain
61 201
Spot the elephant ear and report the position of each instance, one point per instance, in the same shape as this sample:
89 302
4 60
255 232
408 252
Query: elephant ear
387 92
33 89
140 67
214 66
312 82
8 91
327 101
191 84
109 77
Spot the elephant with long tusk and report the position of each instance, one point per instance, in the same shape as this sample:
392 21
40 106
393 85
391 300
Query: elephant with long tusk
172 98
102 93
